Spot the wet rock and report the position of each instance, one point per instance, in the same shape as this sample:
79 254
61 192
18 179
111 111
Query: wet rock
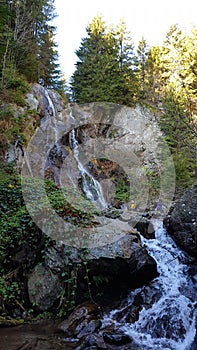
146 297
146 228
43 104
181 223
112 270
94 341
123 264
85 319
44 287
58 102
116 338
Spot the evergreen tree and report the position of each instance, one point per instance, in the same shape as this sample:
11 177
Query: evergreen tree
128 82
141 62
103 70
155 67
175 122
28 40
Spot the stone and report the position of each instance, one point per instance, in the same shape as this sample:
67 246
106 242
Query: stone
112 268
31 101
127 138
84 320
181 222
116 338
44 287
39 93
145 227
57 100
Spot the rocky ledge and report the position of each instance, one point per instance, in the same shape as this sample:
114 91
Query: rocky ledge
107 271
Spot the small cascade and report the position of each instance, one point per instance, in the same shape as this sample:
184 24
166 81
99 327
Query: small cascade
169 321
91 186
52 114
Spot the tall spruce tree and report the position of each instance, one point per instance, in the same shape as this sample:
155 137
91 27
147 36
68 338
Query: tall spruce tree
141 62
175 123
103 70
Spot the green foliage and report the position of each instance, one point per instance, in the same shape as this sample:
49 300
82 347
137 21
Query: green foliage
9 293
13 87
122 194
141 63
104 65
16 125
175 123
12 80
27 41
23 245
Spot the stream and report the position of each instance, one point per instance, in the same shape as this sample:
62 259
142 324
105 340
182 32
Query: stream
170 322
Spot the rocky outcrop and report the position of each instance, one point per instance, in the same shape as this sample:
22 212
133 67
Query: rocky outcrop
44 288
121 147
84 324
39 100
106 271
83 320
181 223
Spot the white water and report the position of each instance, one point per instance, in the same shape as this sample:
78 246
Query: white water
169 324
91 187
52 114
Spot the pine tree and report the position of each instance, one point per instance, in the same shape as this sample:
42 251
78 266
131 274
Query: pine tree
28 40
141 62
175 123
103 70
127 75
155 67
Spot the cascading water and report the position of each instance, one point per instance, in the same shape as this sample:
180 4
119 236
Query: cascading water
52 114
170 322
91 186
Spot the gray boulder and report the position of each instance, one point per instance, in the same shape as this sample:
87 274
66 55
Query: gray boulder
44 288
114 267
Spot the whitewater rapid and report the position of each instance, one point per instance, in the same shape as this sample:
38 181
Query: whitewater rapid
170 322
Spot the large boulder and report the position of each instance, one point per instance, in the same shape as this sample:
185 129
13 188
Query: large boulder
44 287
105 271
181 223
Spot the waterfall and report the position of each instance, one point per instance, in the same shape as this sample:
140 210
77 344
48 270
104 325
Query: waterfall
170 322
91 186
52 114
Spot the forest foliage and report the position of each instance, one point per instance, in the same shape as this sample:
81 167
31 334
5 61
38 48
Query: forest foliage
28 48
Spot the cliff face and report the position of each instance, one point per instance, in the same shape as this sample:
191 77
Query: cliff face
93 149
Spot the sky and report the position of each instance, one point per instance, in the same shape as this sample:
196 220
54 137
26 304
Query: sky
149 18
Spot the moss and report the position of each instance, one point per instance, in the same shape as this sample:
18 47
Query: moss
16 125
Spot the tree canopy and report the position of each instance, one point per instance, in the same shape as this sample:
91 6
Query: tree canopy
27 40
104 67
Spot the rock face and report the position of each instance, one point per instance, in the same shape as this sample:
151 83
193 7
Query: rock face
83 320
181 223
120 148
44 288
110 269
